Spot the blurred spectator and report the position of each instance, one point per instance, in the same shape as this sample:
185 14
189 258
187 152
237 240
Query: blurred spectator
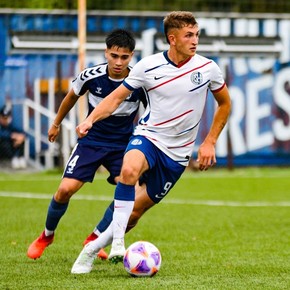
11 140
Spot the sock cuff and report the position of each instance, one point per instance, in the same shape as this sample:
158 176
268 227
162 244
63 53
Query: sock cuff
125 192
56 205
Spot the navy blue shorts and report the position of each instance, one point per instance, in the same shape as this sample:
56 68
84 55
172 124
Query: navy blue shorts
163 172
86 159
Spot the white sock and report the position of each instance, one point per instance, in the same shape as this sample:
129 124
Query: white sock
97 232
104 239
122 212
48 233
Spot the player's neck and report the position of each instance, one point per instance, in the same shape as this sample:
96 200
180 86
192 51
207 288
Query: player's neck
177 58
118 76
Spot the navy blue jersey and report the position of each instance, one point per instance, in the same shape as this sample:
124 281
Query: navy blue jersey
116 129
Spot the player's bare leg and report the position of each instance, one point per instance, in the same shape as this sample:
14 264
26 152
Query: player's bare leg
142 203
56 210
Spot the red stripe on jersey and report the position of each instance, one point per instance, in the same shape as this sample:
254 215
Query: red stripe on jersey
185 113
178 76
151 138
189 143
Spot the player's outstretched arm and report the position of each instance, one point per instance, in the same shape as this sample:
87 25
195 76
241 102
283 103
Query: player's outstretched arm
206 153
108 105
67 103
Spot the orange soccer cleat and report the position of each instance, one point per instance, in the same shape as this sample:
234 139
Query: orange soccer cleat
90 238
38 246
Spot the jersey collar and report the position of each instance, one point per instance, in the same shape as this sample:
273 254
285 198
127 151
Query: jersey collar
165 53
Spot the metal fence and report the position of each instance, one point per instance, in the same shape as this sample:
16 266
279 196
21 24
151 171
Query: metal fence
38 53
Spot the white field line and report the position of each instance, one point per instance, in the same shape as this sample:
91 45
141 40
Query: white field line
186 175
168 201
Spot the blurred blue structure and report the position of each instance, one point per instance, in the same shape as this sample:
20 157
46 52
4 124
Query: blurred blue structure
253 52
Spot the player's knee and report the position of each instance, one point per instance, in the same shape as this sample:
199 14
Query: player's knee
63 194
129 175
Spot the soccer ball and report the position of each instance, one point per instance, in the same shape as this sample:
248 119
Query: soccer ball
142 259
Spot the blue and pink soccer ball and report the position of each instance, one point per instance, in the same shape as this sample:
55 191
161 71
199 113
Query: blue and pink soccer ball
142 259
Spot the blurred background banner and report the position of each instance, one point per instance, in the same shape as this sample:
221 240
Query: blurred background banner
250 40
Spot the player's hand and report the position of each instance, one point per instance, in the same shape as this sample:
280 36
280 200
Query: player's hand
53 133
83 128
206 156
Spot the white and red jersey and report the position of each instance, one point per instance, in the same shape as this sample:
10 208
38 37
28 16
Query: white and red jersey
176 100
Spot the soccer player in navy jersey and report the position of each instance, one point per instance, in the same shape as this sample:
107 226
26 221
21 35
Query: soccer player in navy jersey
177 82
107 140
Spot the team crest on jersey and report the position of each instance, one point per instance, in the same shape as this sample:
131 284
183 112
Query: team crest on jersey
196 77
136 142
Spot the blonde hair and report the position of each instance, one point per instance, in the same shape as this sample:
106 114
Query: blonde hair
178 20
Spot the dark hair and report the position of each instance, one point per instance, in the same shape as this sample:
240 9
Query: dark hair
121 38
178 19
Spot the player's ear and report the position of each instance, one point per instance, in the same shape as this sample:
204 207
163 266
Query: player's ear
106 53
171 38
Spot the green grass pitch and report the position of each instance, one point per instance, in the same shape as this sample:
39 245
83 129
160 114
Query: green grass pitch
218 229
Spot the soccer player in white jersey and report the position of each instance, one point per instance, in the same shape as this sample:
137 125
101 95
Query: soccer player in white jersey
177 83
107 140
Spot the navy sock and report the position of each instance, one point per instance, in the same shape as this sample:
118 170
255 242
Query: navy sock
107 218
55 212
125 192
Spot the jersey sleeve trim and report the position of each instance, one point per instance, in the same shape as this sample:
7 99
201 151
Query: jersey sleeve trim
219 89
128 86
